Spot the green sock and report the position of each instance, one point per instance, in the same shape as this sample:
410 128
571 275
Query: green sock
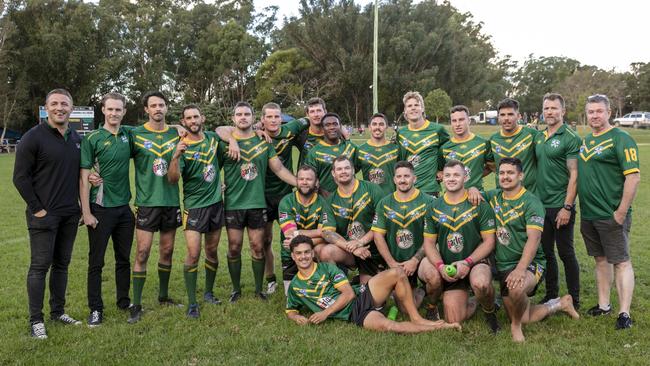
164 272
210 274
258 273
138 286
271 278
234 268
190 273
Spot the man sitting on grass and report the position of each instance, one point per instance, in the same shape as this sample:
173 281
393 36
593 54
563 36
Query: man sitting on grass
324 289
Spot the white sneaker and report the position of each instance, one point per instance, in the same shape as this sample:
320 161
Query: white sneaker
271 287
38 331
67 319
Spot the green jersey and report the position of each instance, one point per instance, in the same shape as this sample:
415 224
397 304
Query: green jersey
245 183
605 159
422 148
521 145
152 151
552 153
351 216
473 152
109 155
404 223
459 226
377 163
282 142
200 170
305 142
513 217
322 156
292 214
319 291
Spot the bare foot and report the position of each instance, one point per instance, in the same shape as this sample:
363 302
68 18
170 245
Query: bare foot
517 333
438 324
567 306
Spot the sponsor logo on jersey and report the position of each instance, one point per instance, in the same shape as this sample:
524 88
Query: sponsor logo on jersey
209 173
414 159
404 239
455 242
377 176
148 144
555 143
355 231
125 139
159 167
503 236
248 171
538 220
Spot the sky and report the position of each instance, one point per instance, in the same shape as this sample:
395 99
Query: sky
608 34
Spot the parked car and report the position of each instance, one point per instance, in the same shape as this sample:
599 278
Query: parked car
634 119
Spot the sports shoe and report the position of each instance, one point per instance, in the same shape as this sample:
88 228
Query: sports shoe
624 321
491 320
38 330
135 314
262 296
168 301
210 299
597 311
271 287
234 297
193 311
95 318
66 319
432 313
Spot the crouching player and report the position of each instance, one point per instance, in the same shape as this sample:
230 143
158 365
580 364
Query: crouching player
325 290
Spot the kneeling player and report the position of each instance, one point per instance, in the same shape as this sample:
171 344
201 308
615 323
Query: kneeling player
332 295
465 237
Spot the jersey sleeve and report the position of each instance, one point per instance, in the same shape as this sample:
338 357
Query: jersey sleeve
327 220
296 126
285 218
310 159
337 277
379 222
534 214
293 301
488 151
487 219
573 149
87 153
627 153
270 151
376 193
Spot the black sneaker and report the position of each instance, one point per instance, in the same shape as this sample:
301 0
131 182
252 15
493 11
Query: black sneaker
432 313
624 321
193 311
234 297
210 299
576 303
66 319
491 320
168 301
38 330
95 318
597 311
135 314
262 296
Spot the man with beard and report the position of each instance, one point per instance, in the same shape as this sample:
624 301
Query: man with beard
195 159
300 213
519 258
376 158
348 219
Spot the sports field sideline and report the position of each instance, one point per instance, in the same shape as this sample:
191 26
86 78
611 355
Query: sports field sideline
251 332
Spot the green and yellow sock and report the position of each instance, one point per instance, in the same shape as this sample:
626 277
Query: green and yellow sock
190 273
234 268
210 274
138 285
164 272
258 273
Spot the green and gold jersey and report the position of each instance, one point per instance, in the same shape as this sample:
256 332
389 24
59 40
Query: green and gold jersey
152 151
377 164
322 156
109 155
351 216
282 143
513 217
521 145
404 223
473 152
292 214
244 179
605 159
422 148
319 291
459 226
552 153
200 171
305 142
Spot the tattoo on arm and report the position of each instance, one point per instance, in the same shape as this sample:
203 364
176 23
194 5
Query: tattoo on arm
419 255
331 237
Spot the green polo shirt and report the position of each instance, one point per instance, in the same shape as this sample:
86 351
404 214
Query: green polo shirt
552 153
109 155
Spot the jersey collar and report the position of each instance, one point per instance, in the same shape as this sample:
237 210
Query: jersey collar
413 196
311 200
602 133
425 125
519 128
314 265
449 202
343 195
516 197
148 128
469 138
315 133
558 132
369 142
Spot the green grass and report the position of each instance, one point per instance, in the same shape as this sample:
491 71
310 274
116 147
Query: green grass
258 333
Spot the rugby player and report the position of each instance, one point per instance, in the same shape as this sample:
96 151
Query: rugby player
376 157
314 110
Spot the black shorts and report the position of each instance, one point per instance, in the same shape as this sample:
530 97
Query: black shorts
154 219
371 266
204 219
252 218
272 206
363 305
289 269
534 268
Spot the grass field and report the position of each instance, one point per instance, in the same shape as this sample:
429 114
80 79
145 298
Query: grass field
252 332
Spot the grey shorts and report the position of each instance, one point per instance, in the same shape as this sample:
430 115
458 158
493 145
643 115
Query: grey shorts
606 238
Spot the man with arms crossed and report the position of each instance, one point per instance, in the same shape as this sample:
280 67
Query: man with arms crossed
520 259
608 177
556 151
332 296
46 174
376 157
105 208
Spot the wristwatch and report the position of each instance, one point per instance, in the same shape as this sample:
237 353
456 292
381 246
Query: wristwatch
568 207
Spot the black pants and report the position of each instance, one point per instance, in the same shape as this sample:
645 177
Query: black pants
51 239
117 223
564 239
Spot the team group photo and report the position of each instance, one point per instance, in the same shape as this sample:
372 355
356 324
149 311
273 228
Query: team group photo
144 225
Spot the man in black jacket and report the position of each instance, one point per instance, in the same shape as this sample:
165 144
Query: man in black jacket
46 174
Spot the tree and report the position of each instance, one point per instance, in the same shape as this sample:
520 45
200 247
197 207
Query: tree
437 103
638 86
